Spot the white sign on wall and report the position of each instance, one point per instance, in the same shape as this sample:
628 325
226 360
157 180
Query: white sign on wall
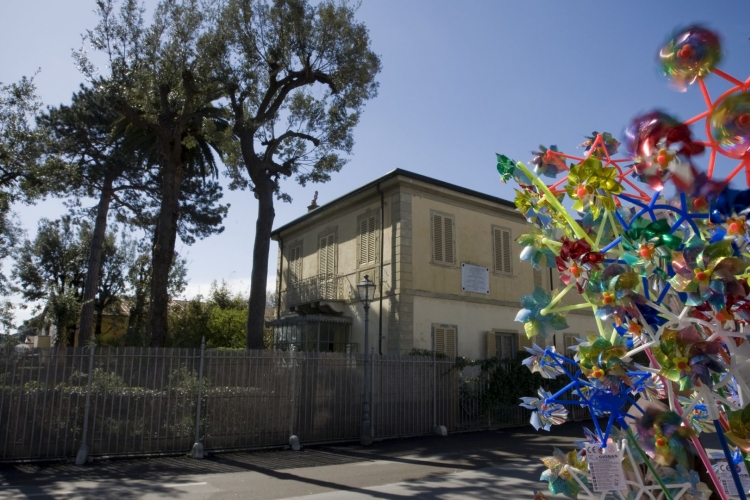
475 279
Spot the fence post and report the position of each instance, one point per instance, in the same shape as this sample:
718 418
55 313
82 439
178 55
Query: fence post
372 392
293 440
198 446
440 430
83 452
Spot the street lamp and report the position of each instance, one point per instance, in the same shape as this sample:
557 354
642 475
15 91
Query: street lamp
366 289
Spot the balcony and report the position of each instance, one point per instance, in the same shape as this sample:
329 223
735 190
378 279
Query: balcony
321 294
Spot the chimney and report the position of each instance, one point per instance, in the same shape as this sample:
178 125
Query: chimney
314 204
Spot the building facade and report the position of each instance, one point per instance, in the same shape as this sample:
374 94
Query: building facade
444 260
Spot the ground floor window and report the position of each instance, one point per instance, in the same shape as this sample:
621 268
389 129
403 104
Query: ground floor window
506 345
313 333
444 339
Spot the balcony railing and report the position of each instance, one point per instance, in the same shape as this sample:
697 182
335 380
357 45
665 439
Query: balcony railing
314 289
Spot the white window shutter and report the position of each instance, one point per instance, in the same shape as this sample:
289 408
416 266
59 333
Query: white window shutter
371 239
295 264
367 237
323 255
491 344
502 249
448 235
440 340
450 342
437 238
506 252
363 241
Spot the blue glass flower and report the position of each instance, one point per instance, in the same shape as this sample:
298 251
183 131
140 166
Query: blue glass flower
534 322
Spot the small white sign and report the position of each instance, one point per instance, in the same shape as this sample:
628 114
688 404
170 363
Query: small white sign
725 477
475 279
605 467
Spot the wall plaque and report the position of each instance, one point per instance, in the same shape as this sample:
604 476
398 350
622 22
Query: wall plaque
475 279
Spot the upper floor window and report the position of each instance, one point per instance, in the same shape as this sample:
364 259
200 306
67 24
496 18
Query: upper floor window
367 239
501 250
295 263
443 243
327 254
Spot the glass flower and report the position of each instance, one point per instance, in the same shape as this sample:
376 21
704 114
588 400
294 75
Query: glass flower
536 323
542 363
662 435
592 185
707 272
698 417
536 250
730 124
689 54
575 261
614 291
610 144
544 415
661 147
546 163
561 481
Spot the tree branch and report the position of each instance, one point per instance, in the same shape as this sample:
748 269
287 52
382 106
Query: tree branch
133 117
294 80
273 144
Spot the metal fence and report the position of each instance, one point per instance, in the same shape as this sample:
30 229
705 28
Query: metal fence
148 401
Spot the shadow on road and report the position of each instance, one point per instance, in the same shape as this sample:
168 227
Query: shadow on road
470 451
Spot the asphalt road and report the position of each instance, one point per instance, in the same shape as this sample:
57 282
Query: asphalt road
502 465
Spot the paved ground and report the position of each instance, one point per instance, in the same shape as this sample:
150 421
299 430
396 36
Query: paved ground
502 464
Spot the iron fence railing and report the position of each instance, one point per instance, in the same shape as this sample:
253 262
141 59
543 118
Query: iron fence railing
313 289
148 401
343 347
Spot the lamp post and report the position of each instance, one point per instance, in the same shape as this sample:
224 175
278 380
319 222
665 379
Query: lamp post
366 289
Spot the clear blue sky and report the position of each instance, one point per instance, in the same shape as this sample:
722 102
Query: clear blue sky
461 81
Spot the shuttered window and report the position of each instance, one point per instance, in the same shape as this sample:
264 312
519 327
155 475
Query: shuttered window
295 264
327 266
443 245
502 250
367 237
327 255
445 340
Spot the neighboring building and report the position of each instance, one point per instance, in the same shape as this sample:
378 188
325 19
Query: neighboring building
444 259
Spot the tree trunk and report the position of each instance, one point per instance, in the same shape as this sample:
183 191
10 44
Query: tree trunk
135 336
94 265
99 319
162 254
258 280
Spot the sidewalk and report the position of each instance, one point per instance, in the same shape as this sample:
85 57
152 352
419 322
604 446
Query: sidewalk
501 464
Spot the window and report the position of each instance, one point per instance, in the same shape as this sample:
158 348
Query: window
501 250
295 264
327 254
327 266
367 239
443 245
505 345
444 339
